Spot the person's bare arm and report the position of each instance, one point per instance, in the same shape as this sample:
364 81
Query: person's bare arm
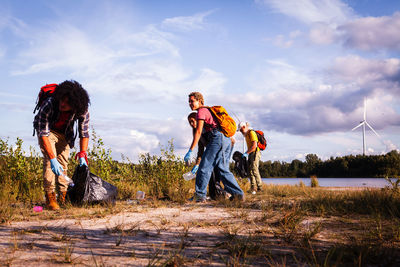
252 148
84 142
47 147
197 134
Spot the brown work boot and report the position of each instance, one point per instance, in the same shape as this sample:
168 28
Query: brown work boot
61 198
51 201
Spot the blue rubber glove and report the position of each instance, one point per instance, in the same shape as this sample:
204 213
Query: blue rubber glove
245 155
82 161
195 168
188 156
56 167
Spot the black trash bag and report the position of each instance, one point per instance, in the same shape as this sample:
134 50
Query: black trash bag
89 188
215 189
241 166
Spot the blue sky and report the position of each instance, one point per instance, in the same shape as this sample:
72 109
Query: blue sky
297 69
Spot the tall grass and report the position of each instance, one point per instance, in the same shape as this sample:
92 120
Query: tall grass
160 176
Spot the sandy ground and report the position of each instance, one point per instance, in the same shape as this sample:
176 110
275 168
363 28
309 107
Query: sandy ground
143 234
125 239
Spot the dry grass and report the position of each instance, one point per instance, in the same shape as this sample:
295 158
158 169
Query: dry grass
283 226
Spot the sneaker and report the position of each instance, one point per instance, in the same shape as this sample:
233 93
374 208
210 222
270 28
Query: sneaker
197 199
253 192
201 200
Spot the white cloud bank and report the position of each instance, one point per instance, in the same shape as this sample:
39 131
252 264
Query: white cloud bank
311 11
187 23
372 33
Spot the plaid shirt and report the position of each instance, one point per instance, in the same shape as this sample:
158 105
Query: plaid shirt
47 116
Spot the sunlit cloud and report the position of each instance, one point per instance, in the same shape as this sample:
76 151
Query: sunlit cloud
187 23
311 11
372 33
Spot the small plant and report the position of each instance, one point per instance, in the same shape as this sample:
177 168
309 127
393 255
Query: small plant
65 253
288 226
314 181
395 184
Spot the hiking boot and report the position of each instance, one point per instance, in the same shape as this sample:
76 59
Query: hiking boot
61 198
51 201
260 189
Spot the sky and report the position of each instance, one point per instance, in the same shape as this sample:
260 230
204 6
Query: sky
297 69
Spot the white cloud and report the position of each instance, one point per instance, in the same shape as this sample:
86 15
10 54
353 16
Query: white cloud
368 73
208 82
372 33
280 41
285 99
389 145
147 141
187 23
277 74
311 11
322 33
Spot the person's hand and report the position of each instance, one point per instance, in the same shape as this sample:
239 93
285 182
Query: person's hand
82 158
195 168
56 167
245 155
188 156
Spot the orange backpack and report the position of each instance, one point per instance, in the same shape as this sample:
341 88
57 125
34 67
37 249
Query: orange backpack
227 125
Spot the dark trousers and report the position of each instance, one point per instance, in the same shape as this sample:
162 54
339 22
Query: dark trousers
215 189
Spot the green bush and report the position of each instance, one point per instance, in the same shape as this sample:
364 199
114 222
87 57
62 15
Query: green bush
159 176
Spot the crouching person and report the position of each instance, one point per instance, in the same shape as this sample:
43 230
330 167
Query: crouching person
54 125
217 152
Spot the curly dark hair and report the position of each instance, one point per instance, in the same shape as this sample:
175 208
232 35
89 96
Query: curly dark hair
77 96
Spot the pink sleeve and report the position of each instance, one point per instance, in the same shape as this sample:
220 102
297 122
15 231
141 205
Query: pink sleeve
205 114
201 114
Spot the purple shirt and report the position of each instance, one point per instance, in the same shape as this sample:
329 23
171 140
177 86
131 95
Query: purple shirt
205 115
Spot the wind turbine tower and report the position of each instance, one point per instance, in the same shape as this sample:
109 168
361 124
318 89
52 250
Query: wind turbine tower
364 123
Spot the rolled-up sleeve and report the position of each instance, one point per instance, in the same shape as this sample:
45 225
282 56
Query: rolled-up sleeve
43 119
83 125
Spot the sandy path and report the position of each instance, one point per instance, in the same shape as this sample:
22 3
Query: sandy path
124 239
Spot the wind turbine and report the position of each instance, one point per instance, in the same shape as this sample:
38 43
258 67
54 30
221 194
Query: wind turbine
364 123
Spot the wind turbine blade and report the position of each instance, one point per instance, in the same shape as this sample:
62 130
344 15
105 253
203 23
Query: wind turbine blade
236 116
358 126
372 129
365 108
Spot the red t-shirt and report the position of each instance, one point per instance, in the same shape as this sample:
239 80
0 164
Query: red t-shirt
205 115
61 124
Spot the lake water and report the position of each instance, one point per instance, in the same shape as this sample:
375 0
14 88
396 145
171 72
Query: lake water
331 182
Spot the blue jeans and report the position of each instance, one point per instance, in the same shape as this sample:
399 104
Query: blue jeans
216 155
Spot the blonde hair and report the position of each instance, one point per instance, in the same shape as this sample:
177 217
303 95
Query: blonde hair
198 96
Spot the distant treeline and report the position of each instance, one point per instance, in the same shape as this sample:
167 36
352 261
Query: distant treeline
387 165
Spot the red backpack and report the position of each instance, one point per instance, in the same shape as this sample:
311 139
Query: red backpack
45 92
262 141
